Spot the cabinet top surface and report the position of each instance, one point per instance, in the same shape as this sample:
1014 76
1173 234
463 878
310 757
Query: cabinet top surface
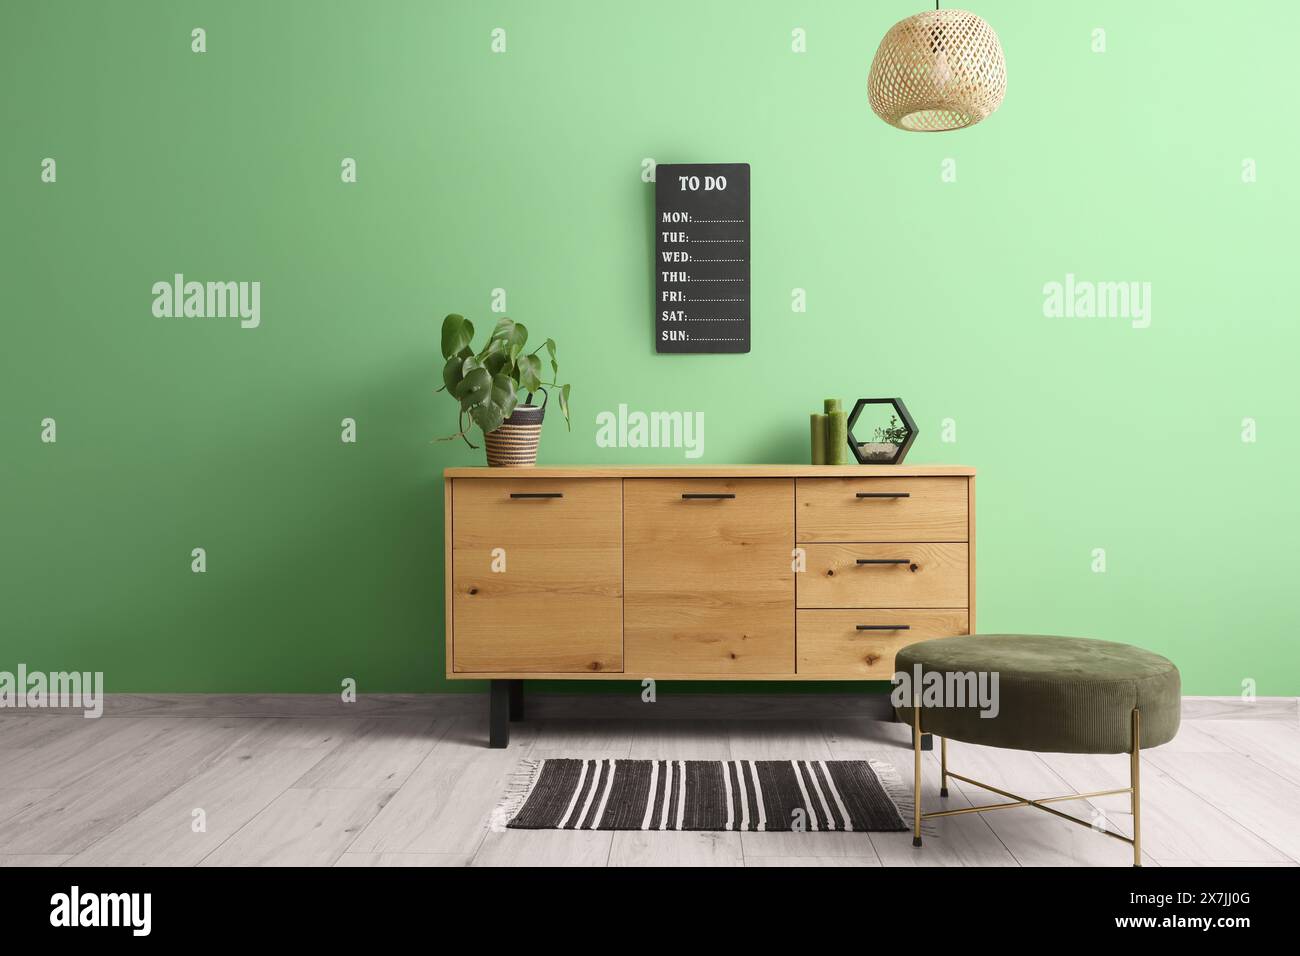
714 471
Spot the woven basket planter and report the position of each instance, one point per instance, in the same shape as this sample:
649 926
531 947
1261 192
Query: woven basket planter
514 444
938 70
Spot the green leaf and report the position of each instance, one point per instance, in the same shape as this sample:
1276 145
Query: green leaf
451 372
555 366
518 338
457 333
564 406
487 416
500 338
476 387
497 362
530 373
503 394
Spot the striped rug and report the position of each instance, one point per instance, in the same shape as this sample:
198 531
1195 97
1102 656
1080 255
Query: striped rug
749 795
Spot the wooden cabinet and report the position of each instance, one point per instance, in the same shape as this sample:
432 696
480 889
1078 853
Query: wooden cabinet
709 576
691 572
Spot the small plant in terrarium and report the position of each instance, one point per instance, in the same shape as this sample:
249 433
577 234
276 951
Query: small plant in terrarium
893 433
885 441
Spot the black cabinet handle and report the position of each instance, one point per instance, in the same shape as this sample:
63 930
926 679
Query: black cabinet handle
697 497
884 560
884 494
536 494
884 627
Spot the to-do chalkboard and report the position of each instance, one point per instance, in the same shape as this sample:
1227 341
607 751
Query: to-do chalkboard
702 257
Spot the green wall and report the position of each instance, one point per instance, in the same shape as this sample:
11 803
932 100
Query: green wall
522 170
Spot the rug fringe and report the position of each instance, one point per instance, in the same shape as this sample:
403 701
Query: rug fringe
519 784
900 794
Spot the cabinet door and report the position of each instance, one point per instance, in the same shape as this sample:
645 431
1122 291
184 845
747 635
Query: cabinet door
708 576
537 576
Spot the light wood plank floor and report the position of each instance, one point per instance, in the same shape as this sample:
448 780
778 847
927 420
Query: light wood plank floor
419 791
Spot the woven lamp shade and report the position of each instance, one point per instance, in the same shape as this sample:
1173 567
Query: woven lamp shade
938 70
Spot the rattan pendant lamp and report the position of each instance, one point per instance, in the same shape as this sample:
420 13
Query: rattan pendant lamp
937 70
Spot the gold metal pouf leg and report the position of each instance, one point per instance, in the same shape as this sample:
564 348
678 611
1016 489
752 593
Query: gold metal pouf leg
1135 796
1134 790
916 783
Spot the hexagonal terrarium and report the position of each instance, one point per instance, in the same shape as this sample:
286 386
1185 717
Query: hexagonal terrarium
886 430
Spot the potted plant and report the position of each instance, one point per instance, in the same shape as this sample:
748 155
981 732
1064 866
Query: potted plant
488 385
887 440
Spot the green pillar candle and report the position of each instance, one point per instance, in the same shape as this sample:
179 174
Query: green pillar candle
837 438
831 405
817 428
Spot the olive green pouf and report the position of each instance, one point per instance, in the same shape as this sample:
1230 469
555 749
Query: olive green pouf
1051 695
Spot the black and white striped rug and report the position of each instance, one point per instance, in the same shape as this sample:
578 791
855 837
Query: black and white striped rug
750 795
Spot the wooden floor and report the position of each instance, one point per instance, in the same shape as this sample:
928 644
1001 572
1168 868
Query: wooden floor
418 791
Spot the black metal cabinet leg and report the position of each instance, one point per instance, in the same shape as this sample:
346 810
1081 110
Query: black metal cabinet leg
927 741
516 701
499 714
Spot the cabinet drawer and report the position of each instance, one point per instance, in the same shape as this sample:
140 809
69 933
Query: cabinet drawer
549 513
881 509
861 644
905 575
710 586
551 599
